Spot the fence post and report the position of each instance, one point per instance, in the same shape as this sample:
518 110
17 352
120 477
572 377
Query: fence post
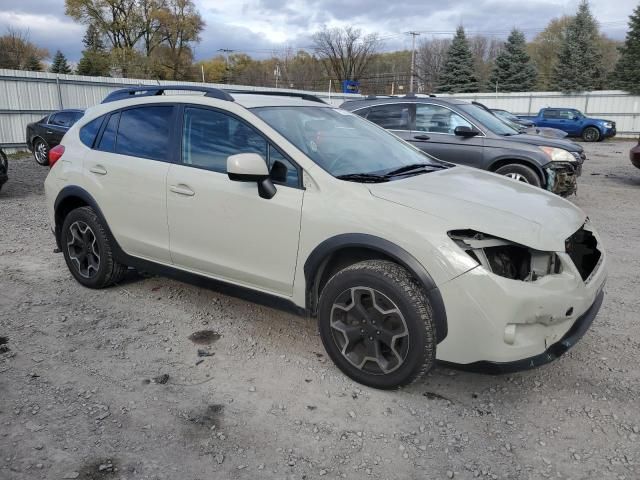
586 103
59 92
529 107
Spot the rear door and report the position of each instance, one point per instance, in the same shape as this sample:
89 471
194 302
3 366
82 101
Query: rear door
433 132
126 174
396 117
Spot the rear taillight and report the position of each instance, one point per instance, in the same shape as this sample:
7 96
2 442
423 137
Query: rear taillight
54 154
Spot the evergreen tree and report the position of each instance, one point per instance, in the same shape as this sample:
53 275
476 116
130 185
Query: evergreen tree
95 59
627 72
579 60
33 64
513 70
59 64
458 72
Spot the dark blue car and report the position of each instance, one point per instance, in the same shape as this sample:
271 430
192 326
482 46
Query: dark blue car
574 123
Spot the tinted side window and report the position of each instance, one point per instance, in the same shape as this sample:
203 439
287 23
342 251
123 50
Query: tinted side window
108 140
394 116
209 137
63 119
550 114
281 169
437 119
90 130
144 132
566 114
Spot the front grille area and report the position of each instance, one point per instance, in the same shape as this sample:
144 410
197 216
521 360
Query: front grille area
582 247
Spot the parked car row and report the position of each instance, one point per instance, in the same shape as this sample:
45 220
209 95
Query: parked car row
402 257
470 134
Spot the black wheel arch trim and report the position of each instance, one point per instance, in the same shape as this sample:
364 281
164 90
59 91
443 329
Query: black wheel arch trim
74 191
317 261
512 159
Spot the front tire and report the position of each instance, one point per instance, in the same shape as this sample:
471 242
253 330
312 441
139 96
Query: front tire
41 152
591 134
88 251
376 324
521 173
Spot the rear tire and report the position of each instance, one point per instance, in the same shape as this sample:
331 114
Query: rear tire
521 173
591 134
376 324
41 152
88 251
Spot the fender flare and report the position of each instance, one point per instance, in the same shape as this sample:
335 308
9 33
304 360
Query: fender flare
74 191
317 261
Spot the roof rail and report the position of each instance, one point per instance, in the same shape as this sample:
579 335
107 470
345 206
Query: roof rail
303 96
151 90
373 97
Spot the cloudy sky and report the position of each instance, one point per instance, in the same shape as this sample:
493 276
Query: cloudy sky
258 27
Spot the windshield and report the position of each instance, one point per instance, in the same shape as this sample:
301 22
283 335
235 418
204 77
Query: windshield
341 142
507 115
488 120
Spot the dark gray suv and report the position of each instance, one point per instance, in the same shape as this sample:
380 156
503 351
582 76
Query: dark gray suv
468 134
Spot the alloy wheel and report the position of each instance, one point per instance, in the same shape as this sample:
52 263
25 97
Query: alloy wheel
370 330
83 249
41 153
518 177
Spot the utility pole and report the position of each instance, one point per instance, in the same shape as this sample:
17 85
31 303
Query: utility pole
413 58
226 52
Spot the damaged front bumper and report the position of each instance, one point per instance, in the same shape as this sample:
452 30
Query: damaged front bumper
562 177
526 320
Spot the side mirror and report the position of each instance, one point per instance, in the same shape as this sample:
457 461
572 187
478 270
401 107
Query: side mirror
251 167
464 131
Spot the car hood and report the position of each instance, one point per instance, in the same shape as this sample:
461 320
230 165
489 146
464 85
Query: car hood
546 142
602 120
468 198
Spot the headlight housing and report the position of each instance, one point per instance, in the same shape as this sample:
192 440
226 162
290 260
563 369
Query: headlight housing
504 258
558 154
608 125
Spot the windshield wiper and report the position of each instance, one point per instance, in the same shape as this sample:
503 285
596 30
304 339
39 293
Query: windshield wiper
414 166
363 177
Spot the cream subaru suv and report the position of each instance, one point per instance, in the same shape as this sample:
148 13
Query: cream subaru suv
403 259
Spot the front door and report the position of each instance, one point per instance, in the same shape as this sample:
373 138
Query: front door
224 228
433 132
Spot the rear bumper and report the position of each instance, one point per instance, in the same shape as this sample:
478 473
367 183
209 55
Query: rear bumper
555 351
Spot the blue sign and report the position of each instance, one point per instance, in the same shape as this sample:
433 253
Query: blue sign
350 86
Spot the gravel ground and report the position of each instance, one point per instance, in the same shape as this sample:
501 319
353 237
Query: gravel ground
110 385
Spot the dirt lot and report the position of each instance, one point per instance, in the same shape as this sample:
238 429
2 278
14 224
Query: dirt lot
109 385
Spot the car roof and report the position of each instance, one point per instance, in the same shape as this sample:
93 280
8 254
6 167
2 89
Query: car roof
369 101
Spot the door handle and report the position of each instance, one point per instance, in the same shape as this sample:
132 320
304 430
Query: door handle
49 132
98 170
422 137
182 190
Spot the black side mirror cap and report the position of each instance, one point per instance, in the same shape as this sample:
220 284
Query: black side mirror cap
464 131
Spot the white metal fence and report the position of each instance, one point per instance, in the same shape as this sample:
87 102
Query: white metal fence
27 96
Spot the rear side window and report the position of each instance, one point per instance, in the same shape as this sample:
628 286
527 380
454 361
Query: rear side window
65 119
90 130
144 132
393 116
550 114
108 140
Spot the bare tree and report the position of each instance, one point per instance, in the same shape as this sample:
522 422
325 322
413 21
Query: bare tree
345 52
484 50
18 53
430 60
